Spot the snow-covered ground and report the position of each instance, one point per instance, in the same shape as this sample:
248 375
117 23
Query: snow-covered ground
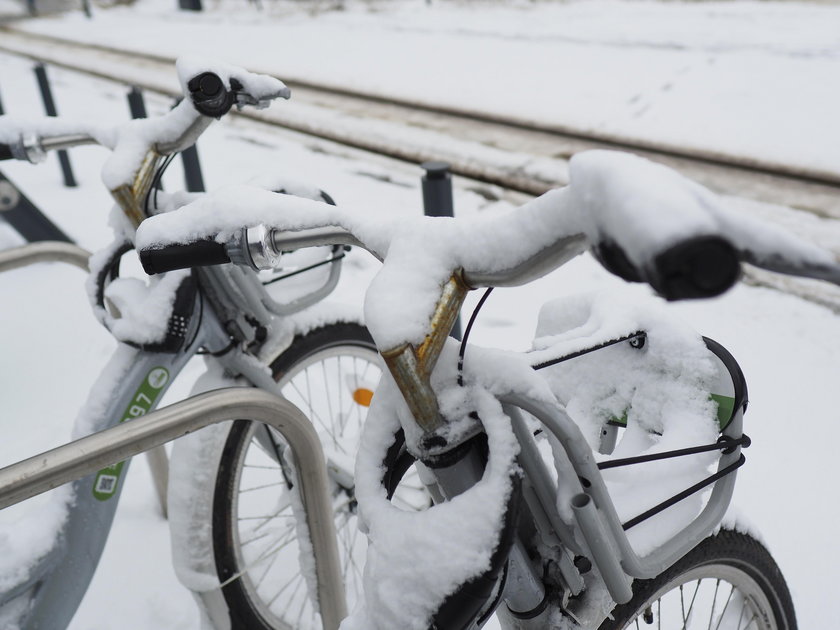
748 78
578 63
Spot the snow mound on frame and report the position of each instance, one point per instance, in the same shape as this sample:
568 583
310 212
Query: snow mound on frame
662 390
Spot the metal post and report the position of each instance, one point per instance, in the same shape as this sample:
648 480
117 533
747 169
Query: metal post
1 106
25 217
437 202
136 104
437 190
30 4
49 107
193 179
189 5
86 8
192 170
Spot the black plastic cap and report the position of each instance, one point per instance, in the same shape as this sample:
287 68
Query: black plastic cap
435 169
209 96
701 267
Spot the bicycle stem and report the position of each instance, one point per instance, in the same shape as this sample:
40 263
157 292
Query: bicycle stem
130 197
412 366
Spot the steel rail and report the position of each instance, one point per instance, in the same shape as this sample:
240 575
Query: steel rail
816 192
43 251
525 184
87 455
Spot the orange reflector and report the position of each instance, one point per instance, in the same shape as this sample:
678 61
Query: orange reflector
363 396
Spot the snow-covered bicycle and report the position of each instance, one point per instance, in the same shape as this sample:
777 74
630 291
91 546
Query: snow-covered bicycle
583 484
321 359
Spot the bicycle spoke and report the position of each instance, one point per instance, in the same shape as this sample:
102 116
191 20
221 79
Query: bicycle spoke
725 606
267 517
327 396
284 542
268 485
291 581
693 599
261 467
256 538
316 416
714 603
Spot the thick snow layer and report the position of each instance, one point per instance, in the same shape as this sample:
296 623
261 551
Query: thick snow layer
661 389
261 88
143 307
416 558
748 78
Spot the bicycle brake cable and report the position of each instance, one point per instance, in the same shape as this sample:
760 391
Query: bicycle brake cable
466 336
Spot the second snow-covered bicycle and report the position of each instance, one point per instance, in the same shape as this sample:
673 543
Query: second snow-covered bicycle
250 335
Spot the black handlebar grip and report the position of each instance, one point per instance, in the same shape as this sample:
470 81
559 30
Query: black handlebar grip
700 267
6 152
209 95
197 254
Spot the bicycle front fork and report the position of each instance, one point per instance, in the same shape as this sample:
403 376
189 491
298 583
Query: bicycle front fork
512 585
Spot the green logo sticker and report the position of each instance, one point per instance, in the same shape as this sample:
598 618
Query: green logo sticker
105 484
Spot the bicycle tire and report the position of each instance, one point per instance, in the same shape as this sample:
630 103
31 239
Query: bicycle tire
728 582
250 605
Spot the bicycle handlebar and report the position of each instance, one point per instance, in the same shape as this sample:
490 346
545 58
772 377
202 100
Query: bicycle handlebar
183 256
697 267
643 222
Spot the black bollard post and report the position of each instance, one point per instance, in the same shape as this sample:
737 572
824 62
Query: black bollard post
49 107
25 217
192 170
136 104
189 5
437 202
437 190
1 106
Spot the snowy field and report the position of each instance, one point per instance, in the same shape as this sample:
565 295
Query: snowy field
52 348
747 78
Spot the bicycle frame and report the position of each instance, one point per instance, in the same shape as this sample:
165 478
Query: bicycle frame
132 385
596 519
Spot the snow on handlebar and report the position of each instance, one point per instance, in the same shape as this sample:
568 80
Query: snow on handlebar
212 87
642 220
216 87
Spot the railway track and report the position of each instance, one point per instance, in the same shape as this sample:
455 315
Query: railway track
505 151
510 153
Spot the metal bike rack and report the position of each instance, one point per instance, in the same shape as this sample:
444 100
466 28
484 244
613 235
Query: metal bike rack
43 251
61 465
61 252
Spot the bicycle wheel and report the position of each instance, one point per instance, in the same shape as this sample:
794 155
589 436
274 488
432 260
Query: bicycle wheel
330 373
728 582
